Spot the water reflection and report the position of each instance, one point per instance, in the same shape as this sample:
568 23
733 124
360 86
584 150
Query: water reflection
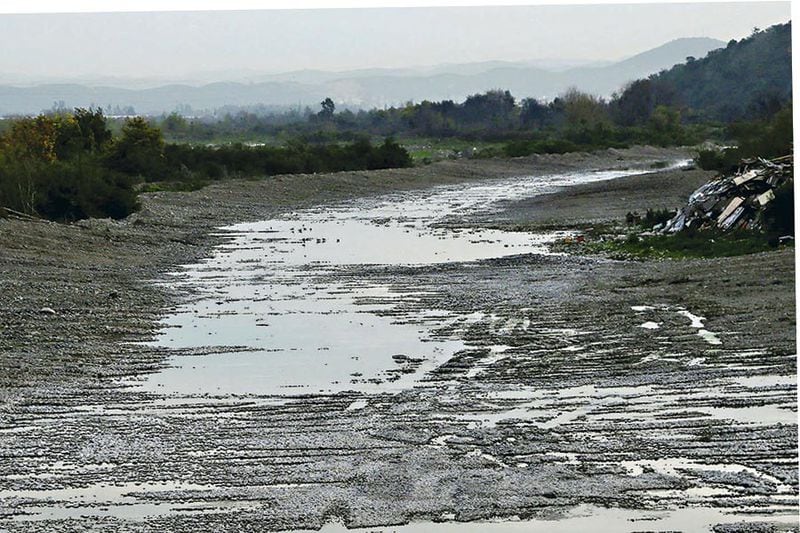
278 330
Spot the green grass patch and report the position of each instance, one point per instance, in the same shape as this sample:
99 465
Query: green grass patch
684 245
424 150
174 186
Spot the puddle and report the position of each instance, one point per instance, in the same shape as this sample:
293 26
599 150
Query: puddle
296 340
582 518
264 324
548 408
762 415
767 381
702 332
130 510
695 321
101 492
593 405
676 467
105 499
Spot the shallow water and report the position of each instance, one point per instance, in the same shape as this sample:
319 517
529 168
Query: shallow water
583 518
276 330
268 323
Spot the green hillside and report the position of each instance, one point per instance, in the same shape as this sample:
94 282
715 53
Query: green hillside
749 78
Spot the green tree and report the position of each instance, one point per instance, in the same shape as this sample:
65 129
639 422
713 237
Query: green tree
26 149
634 105
534 114
493 110
584 111
94 129
52 166
175 125
139 151
32 139
665 123
328 108
84 131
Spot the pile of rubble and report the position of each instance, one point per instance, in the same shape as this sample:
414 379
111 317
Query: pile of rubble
736 201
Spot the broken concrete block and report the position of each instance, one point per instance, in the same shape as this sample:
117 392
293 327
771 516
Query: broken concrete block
765 198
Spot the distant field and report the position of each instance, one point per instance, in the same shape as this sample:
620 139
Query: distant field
422 149
425 150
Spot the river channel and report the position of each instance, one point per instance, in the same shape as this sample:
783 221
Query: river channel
266 321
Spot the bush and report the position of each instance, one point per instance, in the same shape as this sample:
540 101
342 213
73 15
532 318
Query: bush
759 138
779 214
72 191
55 167
140 150
545 146
184 162
653 217
686 244
709 159
723 161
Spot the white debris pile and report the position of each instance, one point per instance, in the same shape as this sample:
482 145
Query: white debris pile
736 201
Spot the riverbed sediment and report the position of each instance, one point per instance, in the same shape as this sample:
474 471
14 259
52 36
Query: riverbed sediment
561 398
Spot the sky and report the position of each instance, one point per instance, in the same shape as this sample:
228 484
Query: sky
173 44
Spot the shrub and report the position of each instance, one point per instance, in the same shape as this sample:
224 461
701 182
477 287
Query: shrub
54 167
779 214
72 191
653 217
140 150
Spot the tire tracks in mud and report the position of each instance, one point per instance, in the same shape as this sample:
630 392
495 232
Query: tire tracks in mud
580 405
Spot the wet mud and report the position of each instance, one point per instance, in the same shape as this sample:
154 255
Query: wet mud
427 372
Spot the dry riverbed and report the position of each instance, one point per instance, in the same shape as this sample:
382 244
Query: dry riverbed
557 391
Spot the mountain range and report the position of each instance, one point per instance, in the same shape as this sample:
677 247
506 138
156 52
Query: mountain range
364 88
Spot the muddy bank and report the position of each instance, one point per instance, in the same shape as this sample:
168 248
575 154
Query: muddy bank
559 399
605 201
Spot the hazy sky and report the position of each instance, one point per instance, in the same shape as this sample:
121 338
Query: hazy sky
172 44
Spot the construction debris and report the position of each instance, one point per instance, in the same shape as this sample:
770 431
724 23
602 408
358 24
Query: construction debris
734 202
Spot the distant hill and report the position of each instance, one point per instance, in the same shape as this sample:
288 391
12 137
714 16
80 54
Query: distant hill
665 55
745 79
651 61
365 88
458 82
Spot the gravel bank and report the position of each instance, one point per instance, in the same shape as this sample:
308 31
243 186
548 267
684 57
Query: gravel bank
581 405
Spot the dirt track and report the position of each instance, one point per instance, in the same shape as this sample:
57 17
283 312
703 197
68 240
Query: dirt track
627 417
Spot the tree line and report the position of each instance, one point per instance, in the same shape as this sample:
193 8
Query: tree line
767 138
69 166
748 80
571 121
